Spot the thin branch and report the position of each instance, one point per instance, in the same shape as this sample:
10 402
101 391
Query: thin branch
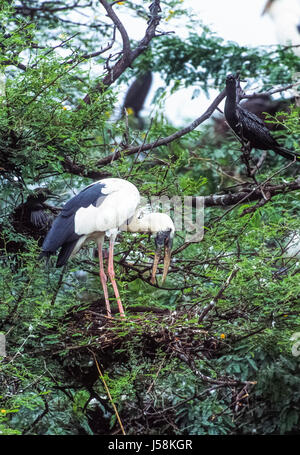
125 38
95 54
219 295
223 200
270 92
81 170
108 392
166 140
29 10
128 55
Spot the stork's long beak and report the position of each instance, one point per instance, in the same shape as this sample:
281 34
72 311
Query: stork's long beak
167 260
154 267
162 240
267 6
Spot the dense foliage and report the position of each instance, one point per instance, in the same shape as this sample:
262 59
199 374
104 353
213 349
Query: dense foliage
208 352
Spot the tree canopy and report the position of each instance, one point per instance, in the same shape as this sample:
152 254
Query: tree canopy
214 349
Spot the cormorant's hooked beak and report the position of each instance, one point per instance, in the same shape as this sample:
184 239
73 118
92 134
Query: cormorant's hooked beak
163 239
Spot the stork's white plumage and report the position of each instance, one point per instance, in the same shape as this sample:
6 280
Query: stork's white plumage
286 17
104 208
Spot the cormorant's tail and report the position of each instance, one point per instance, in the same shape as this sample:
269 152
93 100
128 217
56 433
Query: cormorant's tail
288 154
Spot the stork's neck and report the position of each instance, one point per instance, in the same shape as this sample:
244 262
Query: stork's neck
151 222
136 224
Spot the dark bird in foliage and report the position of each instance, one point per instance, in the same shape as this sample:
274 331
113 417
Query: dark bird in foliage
34 216
249 128
137 93
262 106
104 208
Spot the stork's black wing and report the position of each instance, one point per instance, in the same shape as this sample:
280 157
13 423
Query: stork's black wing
62 232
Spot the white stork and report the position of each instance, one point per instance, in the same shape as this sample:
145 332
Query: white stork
104 208
286 17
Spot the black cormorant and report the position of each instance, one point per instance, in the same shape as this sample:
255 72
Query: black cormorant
262 106
136 95
249 128
34 216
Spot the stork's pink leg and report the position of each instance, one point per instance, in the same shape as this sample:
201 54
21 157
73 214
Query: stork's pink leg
103 279
111 274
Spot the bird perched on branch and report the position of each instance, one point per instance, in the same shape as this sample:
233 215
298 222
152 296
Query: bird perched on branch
104 208
286 17
262 106
249 128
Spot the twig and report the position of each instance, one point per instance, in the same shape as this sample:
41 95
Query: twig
128 55
235 199
156 376
271 92
219 295
95 54
108 393
260 162
166 140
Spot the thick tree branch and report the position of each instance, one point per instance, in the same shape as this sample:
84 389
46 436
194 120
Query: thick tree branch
128 55
16 64
80 169
250 195
125 38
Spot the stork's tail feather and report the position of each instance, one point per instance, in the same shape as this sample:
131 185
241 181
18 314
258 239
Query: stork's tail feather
46 254
293 156
65 253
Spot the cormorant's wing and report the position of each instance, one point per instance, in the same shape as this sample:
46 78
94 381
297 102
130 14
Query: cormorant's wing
39 218
137 93
255 131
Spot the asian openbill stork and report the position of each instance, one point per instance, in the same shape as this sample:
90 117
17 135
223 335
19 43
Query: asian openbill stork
104 208
286 17
249 128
